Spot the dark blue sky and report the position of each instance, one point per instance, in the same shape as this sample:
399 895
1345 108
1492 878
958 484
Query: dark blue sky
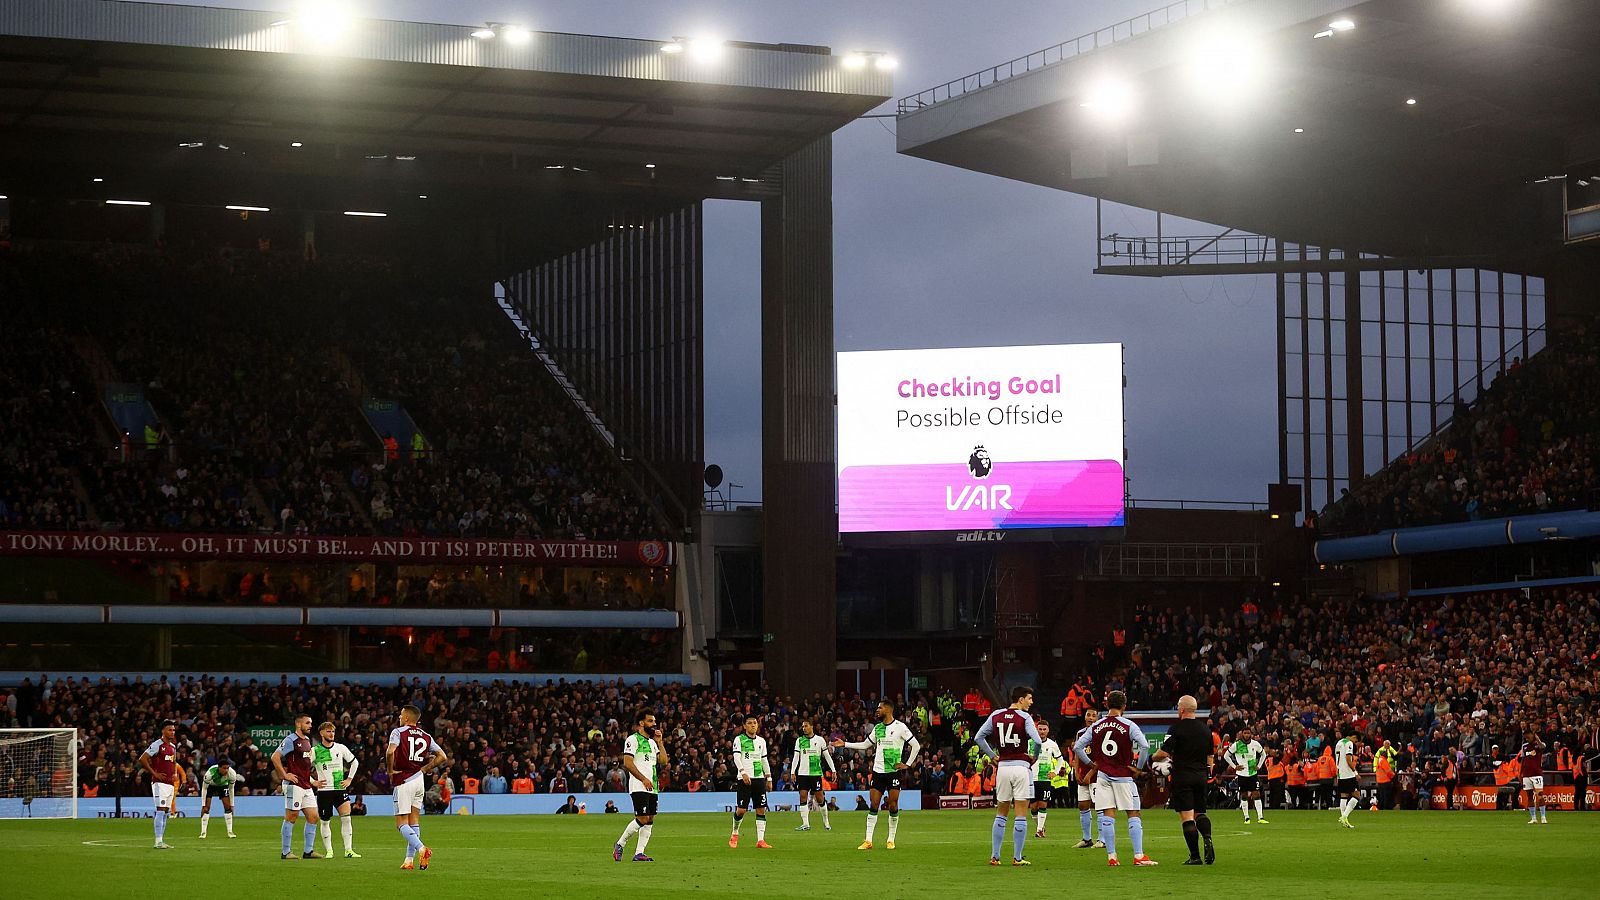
930 256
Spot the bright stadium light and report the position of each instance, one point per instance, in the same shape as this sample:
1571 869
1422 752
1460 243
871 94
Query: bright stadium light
886 63
516 35
296 144
242 208
1110 101
367 215
706 49
324 21
99 180
855 61
4 197
1411 101
1341 25
127 202
1225 69
483 34
676 45
1299 131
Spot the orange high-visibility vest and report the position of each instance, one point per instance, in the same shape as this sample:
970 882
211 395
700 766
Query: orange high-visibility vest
1275 769
1384 769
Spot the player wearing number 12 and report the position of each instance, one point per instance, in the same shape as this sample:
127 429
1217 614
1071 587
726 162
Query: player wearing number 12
895 749
1009 735
409 765
755 779
1117 748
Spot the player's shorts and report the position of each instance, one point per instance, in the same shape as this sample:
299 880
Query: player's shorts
408 796
883 782
1085 793
163 794
1012 783
1122 795
1345 786
1249 783
1187 793
1043 792
207 791
808 782
644 802
328 802
1533 783
752 795
296 798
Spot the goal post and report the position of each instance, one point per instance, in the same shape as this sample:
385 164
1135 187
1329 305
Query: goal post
38 773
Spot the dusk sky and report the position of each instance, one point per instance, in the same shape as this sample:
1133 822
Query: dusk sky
931 256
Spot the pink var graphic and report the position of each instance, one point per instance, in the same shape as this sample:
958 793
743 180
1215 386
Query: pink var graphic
945 496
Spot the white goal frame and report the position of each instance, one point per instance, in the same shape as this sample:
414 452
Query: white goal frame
20 801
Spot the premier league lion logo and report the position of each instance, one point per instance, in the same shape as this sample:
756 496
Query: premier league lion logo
979 463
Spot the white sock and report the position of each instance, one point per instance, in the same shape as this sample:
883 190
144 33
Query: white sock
737 824
644 838
205 819
327 838
761 828
347 829
1244 807
824 807
894 825
1041 819
872 825
1258 810
630 831
228 819
805 816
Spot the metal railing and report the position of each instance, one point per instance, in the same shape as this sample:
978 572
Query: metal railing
1179 250
1049 56
1156 503
1161 560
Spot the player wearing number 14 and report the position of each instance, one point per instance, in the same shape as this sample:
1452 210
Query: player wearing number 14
1009 735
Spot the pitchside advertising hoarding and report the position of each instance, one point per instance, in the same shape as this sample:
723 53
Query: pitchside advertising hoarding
987 443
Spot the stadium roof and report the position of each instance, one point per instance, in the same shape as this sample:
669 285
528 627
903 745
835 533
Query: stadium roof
1314 140
189 96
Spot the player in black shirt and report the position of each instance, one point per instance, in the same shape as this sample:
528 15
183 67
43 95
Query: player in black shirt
1189 746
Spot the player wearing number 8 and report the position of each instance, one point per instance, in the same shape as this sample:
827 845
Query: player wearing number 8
409 762
1117 748
1009 735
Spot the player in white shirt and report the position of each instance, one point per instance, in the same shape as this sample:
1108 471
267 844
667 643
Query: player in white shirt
1247 758
811 753
643 755
1344 755
1047 764
335 766
751 760
220 779
894 750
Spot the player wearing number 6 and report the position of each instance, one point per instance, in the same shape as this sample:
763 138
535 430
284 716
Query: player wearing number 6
409 762
1117 748
1008 735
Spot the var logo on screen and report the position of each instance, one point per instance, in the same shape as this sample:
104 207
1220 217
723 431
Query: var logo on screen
978 496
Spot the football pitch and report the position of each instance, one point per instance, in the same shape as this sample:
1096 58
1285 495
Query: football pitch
938 854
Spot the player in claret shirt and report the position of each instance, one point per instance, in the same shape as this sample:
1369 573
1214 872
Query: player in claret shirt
895 749
810 754
409 763
160 761
1009 735
1531 767
292 761
755 779
1117 748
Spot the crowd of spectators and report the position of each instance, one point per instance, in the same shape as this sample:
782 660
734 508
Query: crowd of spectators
1530 444
1469 673
507 736
256 365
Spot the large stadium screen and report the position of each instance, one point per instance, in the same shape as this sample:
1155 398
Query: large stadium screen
992 440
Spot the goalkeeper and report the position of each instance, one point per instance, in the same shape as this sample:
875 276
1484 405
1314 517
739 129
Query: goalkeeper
220 779
1190 751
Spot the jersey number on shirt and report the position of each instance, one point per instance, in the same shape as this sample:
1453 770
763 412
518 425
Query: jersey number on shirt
415 747
1108 745
1008 734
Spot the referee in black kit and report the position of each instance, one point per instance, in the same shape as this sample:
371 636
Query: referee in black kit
1188 745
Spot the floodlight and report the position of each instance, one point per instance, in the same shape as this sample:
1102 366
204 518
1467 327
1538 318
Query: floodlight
886 63
516 34
249 208
369 215
483 34
706 49
855 61
127 202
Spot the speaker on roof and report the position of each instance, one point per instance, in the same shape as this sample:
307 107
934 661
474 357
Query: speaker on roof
1283 499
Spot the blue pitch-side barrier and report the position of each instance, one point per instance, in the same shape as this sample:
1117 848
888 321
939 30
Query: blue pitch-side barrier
381 806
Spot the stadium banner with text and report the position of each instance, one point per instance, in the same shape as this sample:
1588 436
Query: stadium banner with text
320 548
1557 796
981 440
380 807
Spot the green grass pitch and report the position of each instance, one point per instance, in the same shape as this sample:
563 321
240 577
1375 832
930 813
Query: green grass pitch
939 854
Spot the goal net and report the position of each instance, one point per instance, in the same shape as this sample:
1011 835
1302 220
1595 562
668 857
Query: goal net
38 773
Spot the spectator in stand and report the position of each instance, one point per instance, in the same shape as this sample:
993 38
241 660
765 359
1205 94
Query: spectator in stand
494 782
